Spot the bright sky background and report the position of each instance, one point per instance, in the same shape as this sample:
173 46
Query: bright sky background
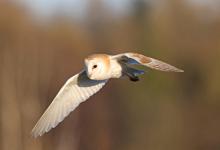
78 8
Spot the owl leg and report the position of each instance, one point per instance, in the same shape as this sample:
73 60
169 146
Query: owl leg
132 73
134 79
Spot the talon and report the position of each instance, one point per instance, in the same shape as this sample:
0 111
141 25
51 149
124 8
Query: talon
134 79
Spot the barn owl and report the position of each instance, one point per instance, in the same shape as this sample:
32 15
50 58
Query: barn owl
99 68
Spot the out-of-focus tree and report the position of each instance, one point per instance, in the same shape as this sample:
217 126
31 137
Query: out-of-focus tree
164 111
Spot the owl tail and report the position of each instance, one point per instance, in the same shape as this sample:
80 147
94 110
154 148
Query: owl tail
132 73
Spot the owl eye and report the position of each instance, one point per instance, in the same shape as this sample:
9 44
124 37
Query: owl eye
94 66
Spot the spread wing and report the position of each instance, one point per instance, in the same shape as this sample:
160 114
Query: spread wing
76 90
135 58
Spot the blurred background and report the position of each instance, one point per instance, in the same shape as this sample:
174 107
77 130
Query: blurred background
43 43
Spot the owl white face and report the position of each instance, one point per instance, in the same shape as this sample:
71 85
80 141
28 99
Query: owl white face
97 67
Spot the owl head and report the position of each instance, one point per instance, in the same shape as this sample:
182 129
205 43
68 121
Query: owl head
97 66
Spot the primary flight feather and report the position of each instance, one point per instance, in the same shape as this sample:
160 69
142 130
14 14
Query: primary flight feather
98 69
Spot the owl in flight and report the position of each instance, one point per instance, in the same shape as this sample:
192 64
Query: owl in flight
99 68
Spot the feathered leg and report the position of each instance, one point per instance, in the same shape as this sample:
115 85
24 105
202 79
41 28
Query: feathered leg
132 73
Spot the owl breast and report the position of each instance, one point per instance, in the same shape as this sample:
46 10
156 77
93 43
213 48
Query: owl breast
116 69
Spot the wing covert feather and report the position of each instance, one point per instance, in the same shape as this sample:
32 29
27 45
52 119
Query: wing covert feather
135 58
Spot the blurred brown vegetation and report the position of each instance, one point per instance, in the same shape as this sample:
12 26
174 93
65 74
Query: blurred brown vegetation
165 111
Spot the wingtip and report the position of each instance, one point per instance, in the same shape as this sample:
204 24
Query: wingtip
179 70
34 134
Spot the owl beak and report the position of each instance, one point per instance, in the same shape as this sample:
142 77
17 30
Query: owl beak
88 74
